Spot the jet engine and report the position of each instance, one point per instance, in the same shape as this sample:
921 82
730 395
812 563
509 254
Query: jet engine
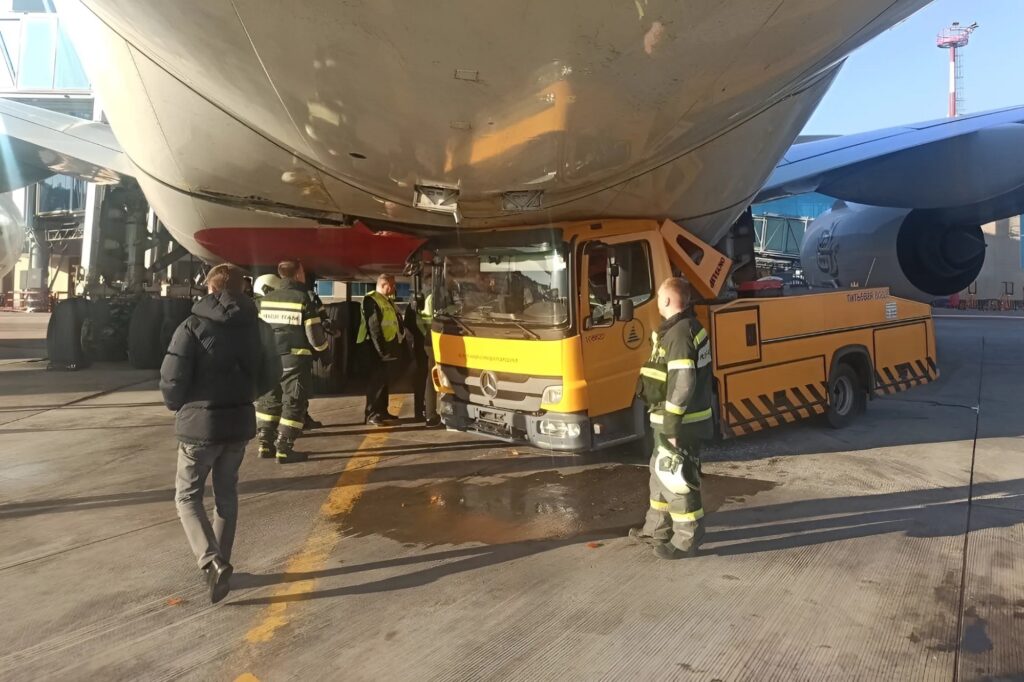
916 253
12 234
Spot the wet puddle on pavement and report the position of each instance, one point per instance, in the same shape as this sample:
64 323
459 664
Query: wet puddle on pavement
539 506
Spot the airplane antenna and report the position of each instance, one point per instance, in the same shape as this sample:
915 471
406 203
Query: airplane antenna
870 270
955 38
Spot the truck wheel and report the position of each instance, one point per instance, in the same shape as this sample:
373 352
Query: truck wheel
846 397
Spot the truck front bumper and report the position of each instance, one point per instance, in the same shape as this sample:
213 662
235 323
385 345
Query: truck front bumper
549 431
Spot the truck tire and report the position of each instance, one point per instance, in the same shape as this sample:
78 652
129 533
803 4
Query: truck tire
144 334
64 333
330 366
846 397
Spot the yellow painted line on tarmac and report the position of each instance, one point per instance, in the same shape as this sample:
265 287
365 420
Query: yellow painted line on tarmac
247 677
324 537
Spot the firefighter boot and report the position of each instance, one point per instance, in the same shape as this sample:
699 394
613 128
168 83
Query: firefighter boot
637 536
684 542
265 438
286 451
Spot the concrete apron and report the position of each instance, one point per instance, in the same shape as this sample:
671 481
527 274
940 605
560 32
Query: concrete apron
435 555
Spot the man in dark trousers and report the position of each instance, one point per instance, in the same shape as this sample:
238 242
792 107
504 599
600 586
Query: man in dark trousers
214 368
675 383
298 332
418 317
381 326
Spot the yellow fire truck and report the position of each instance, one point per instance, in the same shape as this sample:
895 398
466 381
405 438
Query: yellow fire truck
539 335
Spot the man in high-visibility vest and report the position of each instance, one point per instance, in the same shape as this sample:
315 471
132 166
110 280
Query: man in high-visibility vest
298 332
380 325
675 383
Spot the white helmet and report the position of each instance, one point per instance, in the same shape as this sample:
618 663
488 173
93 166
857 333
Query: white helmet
668 466
264 284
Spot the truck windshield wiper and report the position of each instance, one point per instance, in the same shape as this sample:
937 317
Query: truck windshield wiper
526 330
458 323
512 319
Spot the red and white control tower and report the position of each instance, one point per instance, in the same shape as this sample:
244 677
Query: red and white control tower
954 39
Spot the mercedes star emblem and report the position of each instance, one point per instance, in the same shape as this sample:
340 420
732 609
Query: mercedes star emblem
489 384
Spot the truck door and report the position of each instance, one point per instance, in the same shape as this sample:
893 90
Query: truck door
614 351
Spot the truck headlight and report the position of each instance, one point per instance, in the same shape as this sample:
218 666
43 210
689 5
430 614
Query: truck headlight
552 395
558 429
440 378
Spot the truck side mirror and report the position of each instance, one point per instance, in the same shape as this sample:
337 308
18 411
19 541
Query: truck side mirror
624 310
622 282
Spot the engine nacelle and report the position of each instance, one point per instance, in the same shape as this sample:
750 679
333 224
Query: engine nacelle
915 253
12 234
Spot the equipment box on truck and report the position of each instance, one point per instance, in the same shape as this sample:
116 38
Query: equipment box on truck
539 335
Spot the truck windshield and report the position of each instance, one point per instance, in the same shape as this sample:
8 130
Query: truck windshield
524 286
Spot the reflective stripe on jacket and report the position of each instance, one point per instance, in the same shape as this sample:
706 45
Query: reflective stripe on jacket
298 329
676 381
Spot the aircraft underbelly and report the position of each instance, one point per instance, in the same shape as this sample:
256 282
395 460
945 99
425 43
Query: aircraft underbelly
585 108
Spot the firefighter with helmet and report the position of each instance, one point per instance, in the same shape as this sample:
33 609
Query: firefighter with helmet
298 333
675 383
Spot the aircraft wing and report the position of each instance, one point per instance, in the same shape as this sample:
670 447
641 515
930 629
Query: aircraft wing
974 161
36 143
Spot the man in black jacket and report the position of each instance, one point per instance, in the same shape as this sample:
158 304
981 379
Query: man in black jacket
214 368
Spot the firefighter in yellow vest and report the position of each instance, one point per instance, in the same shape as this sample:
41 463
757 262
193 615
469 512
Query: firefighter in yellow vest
381 333
298 332
676 386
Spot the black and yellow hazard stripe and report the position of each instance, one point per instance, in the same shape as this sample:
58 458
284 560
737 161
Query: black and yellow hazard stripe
748 415
905 375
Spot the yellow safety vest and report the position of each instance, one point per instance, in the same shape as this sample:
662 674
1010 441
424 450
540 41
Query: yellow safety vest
388 319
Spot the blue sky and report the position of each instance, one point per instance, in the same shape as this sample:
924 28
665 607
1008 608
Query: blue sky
902 77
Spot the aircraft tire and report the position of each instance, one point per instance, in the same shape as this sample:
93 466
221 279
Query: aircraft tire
144 334
64 348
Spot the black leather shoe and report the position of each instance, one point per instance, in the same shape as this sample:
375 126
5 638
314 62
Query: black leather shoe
388 417
218 578
310 423
376 420
267 451
432 423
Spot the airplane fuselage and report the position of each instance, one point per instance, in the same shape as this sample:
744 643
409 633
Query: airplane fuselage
421 117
